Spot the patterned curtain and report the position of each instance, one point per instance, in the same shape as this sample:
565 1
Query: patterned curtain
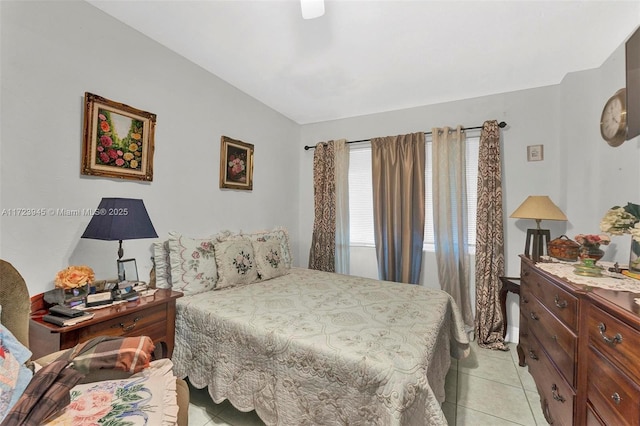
398 164
489 324
450 216
331 202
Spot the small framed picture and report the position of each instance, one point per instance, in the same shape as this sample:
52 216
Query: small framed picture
535 153
236 164
118 140
127 270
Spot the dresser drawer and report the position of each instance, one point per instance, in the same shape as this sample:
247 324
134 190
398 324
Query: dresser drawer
615 339
613 396
562 303
150 322
556 395
558 341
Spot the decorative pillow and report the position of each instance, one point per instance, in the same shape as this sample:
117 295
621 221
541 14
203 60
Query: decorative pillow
193 264
277 234
236 263
162 264
14 375
269 259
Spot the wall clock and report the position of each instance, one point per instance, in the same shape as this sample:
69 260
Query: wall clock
613 122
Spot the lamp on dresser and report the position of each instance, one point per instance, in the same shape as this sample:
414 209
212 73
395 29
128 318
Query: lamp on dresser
118 219
538 208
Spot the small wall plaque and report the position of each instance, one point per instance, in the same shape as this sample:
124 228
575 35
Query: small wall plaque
535 153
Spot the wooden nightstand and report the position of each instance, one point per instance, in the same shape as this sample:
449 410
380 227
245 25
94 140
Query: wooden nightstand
153 316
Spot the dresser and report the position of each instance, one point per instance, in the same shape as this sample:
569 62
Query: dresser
582 347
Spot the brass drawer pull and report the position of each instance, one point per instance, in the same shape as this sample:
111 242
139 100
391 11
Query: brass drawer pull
534 316
533 355
616 398
128 327
608 340
560 304
556 395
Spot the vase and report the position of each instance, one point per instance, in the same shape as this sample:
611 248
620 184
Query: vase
592 251
634 257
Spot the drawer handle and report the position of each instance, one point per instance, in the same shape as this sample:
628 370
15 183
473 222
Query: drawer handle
560 304
524 299
128 327
616 398
556 395
533 355
610 341
534 316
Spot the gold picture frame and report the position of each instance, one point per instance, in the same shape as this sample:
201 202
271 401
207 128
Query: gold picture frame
118 140
236 164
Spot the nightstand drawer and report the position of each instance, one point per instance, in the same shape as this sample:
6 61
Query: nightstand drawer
611 393
149 322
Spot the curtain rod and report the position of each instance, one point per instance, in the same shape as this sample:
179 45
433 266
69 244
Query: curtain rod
502 125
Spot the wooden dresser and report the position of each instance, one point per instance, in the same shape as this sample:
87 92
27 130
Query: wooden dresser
582 347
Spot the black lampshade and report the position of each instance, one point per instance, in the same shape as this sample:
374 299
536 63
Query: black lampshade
118 219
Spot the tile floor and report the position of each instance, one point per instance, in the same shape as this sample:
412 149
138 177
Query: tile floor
487 388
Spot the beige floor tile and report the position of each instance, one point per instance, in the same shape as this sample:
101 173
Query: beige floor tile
494 365
494 398
468 417
536 408
449 410
451 386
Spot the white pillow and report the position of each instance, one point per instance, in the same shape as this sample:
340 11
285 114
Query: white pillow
162 263
269 261
193 264
236 263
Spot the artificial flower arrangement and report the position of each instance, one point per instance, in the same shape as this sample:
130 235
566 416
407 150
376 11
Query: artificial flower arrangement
622 220
74 277
592 239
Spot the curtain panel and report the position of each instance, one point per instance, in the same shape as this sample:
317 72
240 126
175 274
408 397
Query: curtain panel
450 216
398 167
489 323
330 240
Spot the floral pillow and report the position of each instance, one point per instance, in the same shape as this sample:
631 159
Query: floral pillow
269 259
193 264
281 236
14 375
236 263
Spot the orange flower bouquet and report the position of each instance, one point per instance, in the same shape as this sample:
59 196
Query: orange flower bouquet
74 277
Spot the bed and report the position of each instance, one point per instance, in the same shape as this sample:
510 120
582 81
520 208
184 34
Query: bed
314 348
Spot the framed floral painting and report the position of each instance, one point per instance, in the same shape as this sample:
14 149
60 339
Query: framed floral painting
236 164
117 140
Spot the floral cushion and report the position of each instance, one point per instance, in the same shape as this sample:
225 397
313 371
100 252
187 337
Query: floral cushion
277 234
269 259
236 263
14 375
193 264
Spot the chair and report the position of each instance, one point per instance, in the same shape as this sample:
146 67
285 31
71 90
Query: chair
16 307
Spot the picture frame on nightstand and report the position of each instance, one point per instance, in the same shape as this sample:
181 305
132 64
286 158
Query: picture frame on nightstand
127 270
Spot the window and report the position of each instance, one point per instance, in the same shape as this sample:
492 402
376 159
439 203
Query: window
361 194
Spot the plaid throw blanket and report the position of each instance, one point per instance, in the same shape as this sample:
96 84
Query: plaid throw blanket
48 391
130 354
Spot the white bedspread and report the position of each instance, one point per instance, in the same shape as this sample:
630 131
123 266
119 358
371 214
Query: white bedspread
314 348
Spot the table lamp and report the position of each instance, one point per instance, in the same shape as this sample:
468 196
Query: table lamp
538 208
118 219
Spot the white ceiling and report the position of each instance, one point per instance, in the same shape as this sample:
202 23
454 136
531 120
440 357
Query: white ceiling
364 57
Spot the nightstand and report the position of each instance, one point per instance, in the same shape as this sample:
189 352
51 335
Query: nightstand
153 316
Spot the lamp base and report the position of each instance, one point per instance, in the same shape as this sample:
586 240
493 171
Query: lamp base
535 241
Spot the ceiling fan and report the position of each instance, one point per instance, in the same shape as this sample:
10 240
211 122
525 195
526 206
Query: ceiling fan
312 8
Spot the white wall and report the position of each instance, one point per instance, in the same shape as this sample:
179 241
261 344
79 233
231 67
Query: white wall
52 52
580 172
